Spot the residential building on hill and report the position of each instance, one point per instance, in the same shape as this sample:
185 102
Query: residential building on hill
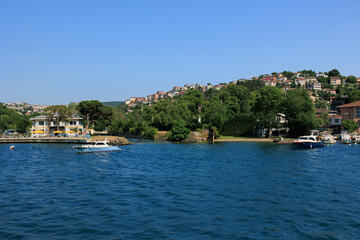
314 86
320 74
335 81
282 78
268 78
300 81
350 111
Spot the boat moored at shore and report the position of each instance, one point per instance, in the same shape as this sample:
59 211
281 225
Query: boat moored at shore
328 139
345 138
307 142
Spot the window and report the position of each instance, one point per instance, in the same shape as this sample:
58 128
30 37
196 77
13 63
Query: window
337 120
73 123
41 123
358 112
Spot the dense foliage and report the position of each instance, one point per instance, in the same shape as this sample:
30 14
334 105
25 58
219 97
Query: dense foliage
179 131
350 125
10 119
235 110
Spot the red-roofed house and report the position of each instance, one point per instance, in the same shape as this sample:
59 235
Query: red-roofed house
301 81
268 78
350 111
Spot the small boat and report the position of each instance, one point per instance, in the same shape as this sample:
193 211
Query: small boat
345 138
97 146
307 142
12 147
356 139
328 139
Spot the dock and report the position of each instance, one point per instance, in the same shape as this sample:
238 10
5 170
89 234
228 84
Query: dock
45 140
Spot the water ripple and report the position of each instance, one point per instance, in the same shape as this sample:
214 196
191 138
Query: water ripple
180 191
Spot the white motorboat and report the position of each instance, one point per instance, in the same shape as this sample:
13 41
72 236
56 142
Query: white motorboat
97 146
345 138
328 139
308 142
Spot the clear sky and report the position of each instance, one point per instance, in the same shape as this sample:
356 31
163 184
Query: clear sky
55 52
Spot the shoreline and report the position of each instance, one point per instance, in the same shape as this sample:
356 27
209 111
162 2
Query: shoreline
245 140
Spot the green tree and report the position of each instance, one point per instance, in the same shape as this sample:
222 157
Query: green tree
323 119
5 122
350 125
252 85
321 104
179 132
215 113
288 74
92 110
117 126
351 79
148 132
355 95
195 102
22 124
268 104
299 112
334 73
63 113
50 113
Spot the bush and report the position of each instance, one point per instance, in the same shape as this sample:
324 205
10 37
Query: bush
149 132
350 125
179 132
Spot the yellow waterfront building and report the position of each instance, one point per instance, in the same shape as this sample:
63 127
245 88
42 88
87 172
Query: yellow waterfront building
72 127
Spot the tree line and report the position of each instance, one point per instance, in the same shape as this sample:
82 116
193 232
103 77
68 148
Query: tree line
235 110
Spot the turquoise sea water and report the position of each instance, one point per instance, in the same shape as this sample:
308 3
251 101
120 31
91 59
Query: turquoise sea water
180 191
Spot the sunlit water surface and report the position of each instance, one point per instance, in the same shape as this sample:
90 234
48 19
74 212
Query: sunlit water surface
180 191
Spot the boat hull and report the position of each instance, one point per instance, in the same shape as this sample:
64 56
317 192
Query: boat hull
93 150
328 142
346 141
307 145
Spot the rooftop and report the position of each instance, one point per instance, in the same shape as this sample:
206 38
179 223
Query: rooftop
353 104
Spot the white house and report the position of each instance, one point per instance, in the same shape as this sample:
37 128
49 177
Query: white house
72 127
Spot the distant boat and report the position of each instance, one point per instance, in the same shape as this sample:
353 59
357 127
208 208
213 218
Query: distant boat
97 146
356 139
328 139
307 142
345 138
12 147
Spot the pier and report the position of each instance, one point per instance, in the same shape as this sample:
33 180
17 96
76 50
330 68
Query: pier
44 140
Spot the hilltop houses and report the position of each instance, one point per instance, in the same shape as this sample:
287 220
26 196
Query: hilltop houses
314 82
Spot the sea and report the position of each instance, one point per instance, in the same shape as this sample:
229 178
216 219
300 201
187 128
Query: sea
160 190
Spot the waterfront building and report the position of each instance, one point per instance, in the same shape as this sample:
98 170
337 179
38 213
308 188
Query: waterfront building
71 127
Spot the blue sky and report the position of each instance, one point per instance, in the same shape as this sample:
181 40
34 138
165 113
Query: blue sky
55 52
